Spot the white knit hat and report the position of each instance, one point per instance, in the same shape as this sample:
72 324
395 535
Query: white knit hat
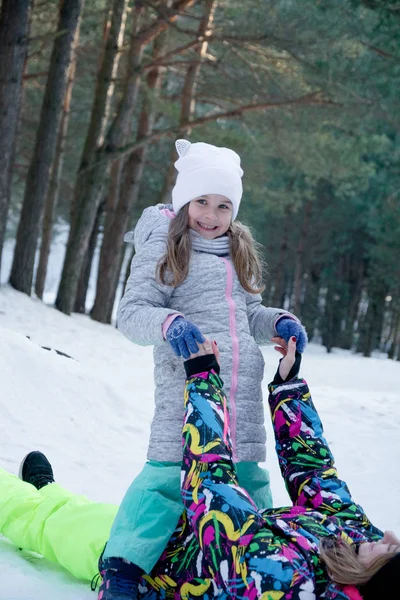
206 169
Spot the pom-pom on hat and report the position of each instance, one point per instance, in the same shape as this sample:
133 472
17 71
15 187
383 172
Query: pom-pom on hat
206 169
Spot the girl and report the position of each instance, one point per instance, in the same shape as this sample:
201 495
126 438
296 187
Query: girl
323 546
196 271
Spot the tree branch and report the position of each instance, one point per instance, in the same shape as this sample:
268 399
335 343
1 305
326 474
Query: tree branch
225 37
176 51
379 5
212 61
380 52
162 23
27 76
313 98
164 11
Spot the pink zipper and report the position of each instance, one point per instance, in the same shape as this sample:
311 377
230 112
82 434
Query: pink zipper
235 352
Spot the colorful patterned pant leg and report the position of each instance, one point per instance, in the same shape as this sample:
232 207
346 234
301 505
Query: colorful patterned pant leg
222 514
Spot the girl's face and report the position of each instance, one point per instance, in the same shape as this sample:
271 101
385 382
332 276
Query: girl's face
370 550
210 215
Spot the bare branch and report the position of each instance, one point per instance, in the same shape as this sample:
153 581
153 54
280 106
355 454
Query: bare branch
162 23
214 101
313 98
377 4
211 61
34 75
176 51
380 52
225 37
164 11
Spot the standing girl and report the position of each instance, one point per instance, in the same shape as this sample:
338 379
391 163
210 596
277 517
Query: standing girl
196 271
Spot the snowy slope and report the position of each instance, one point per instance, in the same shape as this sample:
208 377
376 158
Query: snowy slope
91 415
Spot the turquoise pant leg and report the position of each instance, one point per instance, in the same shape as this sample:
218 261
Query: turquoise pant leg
256 482
148 515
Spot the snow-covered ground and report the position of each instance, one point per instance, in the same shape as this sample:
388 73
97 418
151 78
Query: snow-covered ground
91 415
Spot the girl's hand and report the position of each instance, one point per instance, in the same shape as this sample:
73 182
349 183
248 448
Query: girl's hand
288 351
287 327
207 347
184 337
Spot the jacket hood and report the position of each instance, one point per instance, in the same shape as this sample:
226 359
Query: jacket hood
155 220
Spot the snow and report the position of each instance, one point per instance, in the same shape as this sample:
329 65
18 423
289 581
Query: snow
91 416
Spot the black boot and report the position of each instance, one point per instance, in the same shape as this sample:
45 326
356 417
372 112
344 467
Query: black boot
36 470
120 579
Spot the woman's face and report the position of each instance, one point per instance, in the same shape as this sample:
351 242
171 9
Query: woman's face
369 551
210 215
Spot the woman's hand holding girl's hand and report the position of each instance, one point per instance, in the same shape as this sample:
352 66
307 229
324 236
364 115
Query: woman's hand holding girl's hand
184 337
207 348
287 327
288 352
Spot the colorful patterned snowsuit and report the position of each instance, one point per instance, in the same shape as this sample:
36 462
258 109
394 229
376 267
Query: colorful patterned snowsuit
224 546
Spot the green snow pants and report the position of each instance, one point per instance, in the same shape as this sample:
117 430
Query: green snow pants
151 507
61 526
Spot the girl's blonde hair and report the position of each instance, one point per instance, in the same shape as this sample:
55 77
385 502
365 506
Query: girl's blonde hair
344 565
173 267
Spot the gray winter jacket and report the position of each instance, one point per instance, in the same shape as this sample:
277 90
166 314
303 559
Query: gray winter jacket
213 299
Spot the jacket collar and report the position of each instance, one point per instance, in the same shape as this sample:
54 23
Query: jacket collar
219 246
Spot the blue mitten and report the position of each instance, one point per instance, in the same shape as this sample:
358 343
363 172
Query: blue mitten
183 337
287 328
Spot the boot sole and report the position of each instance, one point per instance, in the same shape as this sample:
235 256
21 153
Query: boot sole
21 466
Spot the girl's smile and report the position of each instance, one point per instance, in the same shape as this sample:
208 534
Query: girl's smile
210 215
204 226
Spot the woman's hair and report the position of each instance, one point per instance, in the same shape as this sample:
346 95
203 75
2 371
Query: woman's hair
173 267
344 565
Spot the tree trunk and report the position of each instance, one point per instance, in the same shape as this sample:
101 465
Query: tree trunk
89 186
279 277
330 328
372 323
114 29
300 258
92 171
14 25
128 267
278 297
84 279
38 177
56 170
356 287
395 336
310 306
120 130
118 219
188 102
121 127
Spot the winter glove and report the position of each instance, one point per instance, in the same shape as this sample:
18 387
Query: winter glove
287 327
183 337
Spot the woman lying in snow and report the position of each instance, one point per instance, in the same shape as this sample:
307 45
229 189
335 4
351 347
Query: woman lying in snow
323 546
